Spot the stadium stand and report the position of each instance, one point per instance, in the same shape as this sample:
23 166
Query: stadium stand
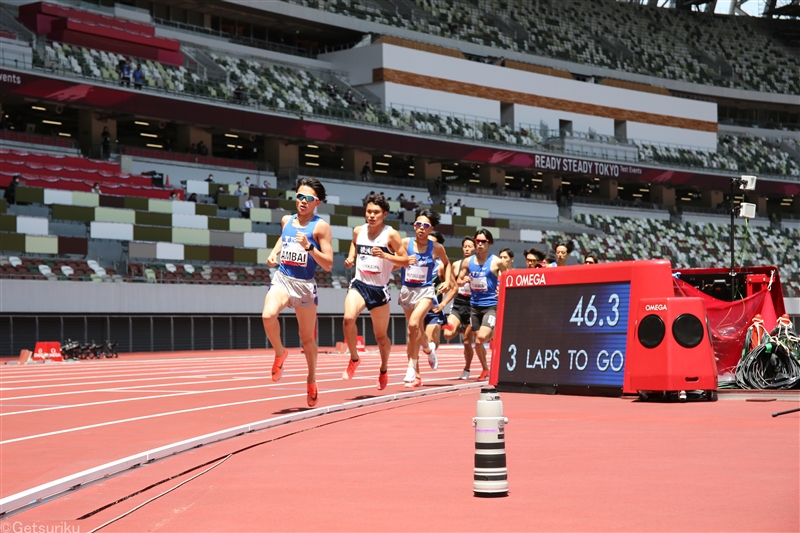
666 43
625 238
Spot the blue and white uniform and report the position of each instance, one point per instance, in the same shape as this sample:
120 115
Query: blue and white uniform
418 278
431 317
483 285
297 266
372 273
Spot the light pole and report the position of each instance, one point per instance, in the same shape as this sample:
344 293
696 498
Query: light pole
745 183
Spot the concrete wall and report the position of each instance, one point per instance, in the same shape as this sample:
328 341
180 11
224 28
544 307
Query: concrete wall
28 296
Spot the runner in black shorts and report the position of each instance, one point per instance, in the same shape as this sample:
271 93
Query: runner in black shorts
459 314
374 251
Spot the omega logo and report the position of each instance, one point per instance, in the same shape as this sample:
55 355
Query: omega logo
655 307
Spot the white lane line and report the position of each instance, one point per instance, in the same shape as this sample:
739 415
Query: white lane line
59 486
333 365
86 367
166 394
192 410
125 373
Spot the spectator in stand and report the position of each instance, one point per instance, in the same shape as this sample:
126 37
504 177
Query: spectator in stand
96 188
239 191
366 172
429 200
11 191
401 197
364 102
247 182
193 149
210 178
248 205
105 148
215 196
458 203
174 197
192 197
413 200
202 149
167 144
238 93
125 78
138 77
590 259
559 195
364 200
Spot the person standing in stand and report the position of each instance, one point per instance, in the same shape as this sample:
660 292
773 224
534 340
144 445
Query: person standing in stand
482 271
305 243
417 293
375 249
459 314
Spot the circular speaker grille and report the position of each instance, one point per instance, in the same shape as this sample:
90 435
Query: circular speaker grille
687 330
651 331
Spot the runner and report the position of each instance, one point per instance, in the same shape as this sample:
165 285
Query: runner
482 270
417 293
459 314
374 250
305 243
435 319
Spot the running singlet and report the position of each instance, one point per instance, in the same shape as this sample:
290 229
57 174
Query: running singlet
464 292
421 274
370 269
295 261
482 282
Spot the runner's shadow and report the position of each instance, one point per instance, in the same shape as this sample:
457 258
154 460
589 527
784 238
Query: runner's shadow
362 397
291 410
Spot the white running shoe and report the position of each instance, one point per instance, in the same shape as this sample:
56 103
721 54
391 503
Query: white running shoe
411 375
432 356
464 375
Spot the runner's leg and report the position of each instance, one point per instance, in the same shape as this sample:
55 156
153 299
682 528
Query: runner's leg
380 324
353 305
307 321
275 301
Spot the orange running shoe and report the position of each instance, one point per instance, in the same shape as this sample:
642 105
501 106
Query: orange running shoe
351 369
313 394
417 383
383 380
277 365
484 375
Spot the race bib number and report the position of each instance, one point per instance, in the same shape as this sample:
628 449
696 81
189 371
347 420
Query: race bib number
464 290
369 263
417 274
293 254
478 284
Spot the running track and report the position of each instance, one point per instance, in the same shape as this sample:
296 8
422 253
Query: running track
574 463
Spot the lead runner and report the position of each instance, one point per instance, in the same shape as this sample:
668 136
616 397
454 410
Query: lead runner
375 249
305 243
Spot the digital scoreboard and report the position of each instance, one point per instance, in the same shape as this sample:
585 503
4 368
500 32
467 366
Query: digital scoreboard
570 329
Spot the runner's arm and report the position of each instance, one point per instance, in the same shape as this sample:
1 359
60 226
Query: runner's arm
324 254
273 258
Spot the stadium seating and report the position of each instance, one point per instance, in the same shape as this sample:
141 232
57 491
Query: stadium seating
687 245
756 154
667 43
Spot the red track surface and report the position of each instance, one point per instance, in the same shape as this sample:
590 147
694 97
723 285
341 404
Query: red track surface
575 463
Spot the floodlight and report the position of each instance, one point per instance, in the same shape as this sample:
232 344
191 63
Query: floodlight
748 183
747 210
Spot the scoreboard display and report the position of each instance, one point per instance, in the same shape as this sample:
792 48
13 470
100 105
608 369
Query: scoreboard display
570 329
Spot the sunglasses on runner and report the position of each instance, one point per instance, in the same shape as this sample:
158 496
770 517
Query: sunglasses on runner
423 225
481 241
307 197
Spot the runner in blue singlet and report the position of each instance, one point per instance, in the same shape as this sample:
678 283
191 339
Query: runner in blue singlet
305 243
